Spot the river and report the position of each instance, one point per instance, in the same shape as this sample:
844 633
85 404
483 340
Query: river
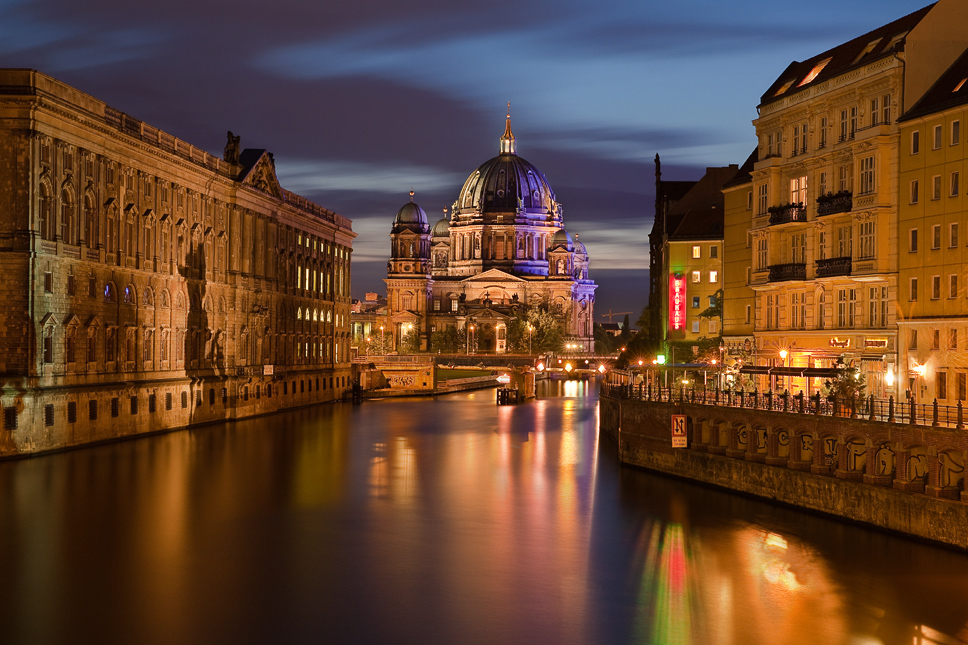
447 520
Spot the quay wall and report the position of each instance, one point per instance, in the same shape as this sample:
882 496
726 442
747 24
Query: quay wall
902 478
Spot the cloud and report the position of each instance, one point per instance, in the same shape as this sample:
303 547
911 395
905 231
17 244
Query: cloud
309 176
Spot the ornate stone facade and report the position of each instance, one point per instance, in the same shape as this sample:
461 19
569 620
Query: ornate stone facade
150 285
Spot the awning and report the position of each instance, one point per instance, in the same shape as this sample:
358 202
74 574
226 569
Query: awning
809 372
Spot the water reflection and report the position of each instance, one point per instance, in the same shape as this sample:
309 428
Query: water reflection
437 520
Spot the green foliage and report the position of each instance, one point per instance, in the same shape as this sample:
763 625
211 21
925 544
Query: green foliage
449 340
410 343
848 384
545 334
605 343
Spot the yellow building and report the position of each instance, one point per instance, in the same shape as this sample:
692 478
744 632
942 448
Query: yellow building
739 300
824 212
932 255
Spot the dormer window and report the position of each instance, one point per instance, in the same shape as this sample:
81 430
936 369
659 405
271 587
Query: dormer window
813 73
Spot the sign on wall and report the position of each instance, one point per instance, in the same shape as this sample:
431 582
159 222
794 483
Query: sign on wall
677 302
679 431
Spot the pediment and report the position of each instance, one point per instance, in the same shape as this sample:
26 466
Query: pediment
261 175
493 275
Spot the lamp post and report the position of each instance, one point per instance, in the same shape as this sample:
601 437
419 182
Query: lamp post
409 328
783 355
383 347
530 334
367 345
468 340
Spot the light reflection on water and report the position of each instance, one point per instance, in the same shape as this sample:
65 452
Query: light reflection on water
437 520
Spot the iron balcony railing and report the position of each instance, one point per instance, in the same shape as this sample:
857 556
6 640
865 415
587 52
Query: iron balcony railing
833 267
787 213
784 272
830 203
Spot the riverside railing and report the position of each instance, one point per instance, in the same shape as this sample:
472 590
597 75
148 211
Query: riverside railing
869 407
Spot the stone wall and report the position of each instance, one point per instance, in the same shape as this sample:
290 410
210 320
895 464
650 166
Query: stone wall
763 453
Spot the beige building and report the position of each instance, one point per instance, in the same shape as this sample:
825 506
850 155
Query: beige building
149 285
739 302
933 242
824 214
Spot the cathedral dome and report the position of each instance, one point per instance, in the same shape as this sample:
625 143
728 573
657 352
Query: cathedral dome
507 183
441 228
411 217
562 239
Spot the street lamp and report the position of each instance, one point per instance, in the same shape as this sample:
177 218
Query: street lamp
783 355
468 340
383 347
367 345
530 334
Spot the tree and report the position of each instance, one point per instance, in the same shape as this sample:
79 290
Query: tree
410 343
848 385
545 334
604 341
626 330
449 340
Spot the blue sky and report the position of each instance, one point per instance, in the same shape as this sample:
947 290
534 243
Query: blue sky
363 101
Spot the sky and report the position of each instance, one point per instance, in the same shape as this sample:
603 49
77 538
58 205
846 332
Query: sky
363 101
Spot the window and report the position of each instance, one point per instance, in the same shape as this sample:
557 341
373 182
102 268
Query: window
749 311
695 302
936 187
952 339
866 233
711 327
846 299
843 125
853 121
886 109
798 310
712 301
48 282
798 190
936 236
935 287
799 139
915 142
749 200
844 242
761 254
877 306
867 175
935 339
914 191
936 141
696 251
942 385
874 112
913 290
697 276
845 179
953 184
773 311
953 235
952 285
955 132
714 251
822 143
822 245
453 304
714 276
695 326
913 339
962 386
798 244
762 199
913 240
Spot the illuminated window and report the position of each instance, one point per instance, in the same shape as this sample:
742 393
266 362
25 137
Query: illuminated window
812 75
697 251
714 276
959 85
697 276
786 85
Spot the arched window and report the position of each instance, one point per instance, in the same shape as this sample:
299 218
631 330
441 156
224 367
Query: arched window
90 222
165 302
109 293
129 297
67 217
46 213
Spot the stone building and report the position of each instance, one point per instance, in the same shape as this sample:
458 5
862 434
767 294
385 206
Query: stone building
149 285
504 247
823 222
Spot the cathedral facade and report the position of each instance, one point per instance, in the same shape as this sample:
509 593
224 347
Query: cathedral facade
150 285
502 249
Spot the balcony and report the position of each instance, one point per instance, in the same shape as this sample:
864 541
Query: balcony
787 213
830 203
833 267
785 272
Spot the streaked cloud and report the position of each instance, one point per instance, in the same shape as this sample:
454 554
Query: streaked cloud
320 176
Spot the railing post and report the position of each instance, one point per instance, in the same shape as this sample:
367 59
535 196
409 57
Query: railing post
870 402
890 409
934 421
742 398
961 422
800 401
912 411
786 401
756 399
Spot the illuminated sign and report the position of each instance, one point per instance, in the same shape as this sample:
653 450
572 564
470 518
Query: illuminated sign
841 343
876 343
677 302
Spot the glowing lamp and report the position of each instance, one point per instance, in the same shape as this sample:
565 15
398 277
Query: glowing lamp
504 379
661 358
601 368
568 367
540 367
783 354
920 369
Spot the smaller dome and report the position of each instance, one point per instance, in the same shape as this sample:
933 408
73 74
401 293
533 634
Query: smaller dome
411 217
441 228
579 247
562 239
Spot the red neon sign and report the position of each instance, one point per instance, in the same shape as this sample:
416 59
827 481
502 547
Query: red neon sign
677 301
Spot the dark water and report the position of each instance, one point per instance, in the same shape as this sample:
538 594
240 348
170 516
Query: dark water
437 521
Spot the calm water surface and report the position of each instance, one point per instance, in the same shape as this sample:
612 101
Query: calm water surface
437 521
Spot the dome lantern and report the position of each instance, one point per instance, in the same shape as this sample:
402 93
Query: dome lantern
507 140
